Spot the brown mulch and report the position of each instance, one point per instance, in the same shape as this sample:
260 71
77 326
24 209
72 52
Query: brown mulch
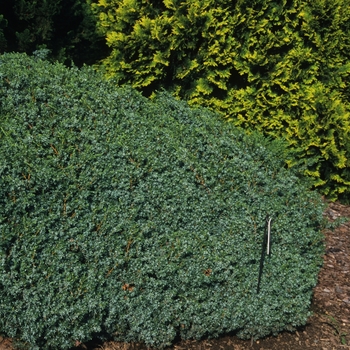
327 329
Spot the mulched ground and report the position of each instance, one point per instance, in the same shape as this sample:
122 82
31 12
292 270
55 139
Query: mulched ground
327 329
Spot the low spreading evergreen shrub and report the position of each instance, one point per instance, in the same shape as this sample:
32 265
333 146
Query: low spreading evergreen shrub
142 220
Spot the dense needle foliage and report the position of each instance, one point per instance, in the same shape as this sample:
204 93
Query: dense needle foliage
142 220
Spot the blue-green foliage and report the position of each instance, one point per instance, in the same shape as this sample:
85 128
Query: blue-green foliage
141 219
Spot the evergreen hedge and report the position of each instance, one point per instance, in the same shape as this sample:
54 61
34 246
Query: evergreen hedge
142 220
281 67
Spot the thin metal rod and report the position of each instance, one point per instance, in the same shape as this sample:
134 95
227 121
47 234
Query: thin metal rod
265 247
262 256
268 236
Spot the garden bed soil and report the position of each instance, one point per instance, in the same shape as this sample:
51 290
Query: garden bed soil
327 329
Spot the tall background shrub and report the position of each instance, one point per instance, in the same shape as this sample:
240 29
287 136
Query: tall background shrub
281 67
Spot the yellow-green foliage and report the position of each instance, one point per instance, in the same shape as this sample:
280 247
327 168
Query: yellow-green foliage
281 67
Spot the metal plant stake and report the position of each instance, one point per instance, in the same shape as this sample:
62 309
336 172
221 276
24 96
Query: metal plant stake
266 246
